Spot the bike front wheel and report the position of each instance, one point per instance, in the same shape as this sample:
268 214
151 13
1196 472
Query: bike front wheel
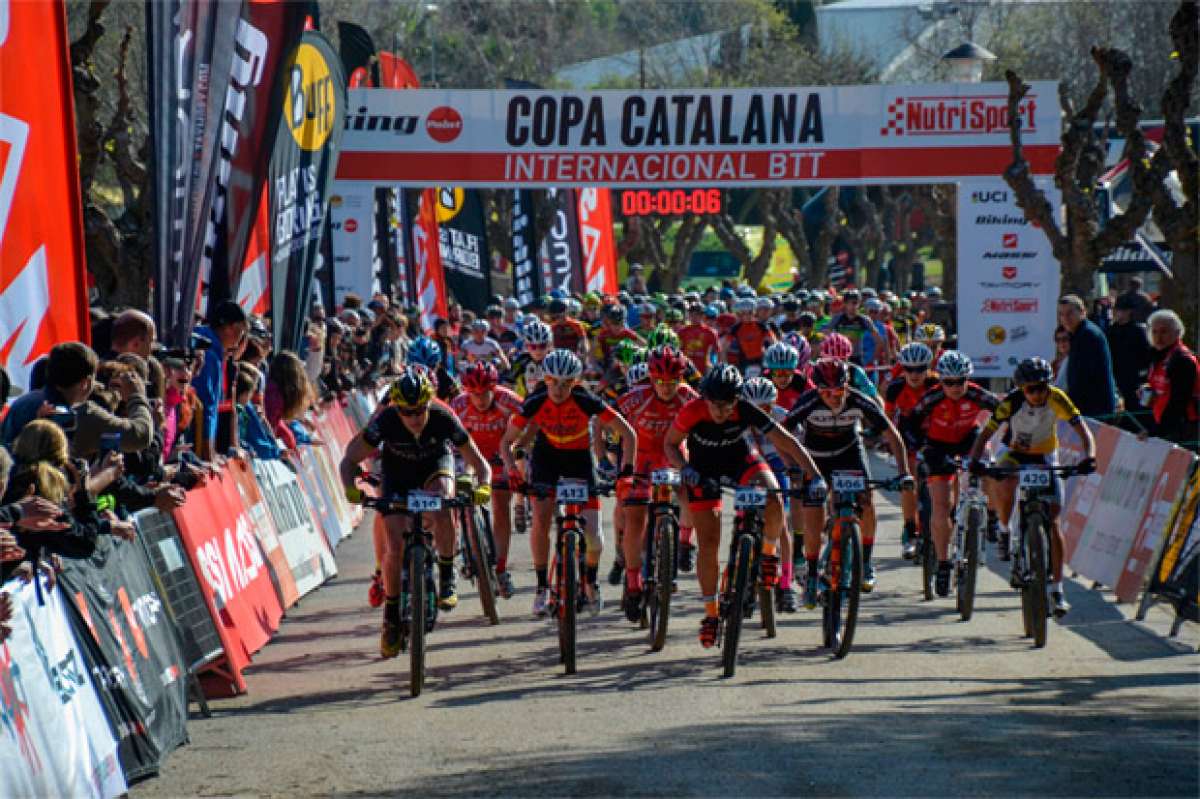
418 593
739 596
482 568
969 561
568 593
1035 538
665 534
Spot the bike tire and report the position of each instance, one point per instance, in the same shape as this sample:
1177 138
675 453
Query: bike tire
665 533
485 573
568 600
1035 537
846 617
418 599
976 518
739 589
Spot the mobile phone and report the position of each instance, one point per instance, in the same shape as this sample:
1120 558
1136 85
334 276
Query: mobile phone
110 442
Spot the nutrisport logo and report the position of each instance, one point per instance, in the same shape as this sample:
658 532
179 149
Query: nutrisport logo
949 116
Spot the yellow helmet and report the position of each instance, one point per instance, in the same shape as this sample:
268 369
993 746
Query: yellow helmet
412 389
929 332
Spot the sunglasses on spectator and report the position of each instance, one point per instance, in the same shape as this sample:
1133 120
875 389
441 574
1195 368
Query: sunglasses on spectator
417 411
954 382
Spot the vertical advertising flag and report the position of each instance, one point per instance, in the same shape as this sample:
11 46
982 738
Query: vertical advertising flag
358 55
301 173
41 232
427 262
254 287
351 223
462 237
560 254
527 278
596 238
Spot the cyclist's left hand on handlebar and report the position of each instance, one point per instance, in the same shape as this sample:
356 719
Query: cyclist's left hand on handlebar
817 489
355 495
1086 466
482 494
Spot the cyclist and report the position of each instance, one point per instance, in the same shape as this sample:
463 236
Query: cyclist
427 353
479 346
484 411
562 411
943 426
698 339
413 436
854 326
831 419
840 348
713 427
615 381
932 336
568 333
899 398
1033 411
525 374
611 333
747 338
781 365
650 408
664 336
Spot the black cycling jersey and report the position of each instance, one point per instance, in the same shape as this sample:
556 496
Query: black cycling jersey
714 442
826 432
401 450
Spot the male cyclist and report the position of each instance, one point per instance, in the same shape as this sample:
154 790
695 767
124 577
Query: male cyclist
569 334
943 426
562 413
781 365
748 338
427 353
1033 412
650 408
831 419
714 428
484 411
413 436
697 339
899 398
479 346
611 333
840 348
526 373
854 326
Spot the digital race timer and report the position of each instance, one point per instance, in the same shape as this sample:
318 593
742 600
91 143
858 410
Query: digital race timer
671 202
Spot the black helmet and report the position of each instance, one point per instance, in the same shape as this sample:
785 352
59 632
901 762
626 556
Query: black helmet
615 312
557 306
1033 370
723 383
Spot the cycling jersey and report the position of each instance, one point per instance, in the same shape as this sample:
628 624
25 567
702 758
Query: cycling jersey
789 396
567 334
651 418
486 350
937 419
826 432
778 414
751 339
720 449
860 382
525 375
1033 429
607 339
409 461
855 328
698 343
899 398
487 427
562 425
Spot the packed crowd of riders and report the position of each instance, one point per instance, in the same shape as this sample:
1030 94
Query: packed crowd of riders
726 385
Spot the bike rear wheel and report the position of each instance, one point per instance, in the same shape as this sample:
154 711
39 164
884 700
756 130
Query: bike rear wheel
418 592
568 595
1035 537
739 595
665 533
845 598
969 560
481 555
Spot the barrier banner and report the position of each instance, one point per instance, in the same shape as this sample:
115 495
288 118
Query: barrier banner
1175 470
317 495
1177 573
264 529
132 649
326 472
54 737
307 551
215 529
179 588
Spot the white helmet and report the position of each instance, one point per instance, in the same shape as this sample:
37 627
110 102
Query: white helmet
955 364
759 390
536 332
744 305
562 364
915 354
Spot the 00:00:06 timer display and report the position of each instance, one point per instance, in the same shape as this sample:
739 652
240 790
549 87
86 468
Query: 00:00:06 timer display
671 202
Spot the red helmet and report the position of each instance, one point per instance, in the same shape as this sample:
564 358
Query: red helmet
830 373
666 363
479 377
836 345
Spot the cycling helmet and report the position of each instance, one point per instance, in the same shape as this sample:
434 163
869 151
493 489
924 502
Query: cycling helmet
765 303
574 306
781 356
558 294
562 364
760 391
412 389
836 345
807 319
929 333
955 364
557 306
591 300
662 336
666 363
481 324
851 295
615 312
800 344
830 373
915 354
933 293
744 305
426 352
674 315
626 351
711 311
1033 370
637 374
873 304
479 377
537 332
512 304
723 383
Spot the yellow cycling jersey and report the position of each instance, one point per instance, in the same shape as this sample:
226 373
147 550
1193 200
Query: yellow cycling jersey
1033 429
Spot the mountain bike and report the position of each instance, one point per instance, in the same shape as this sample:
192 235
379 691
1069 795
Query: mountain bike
660 566
841 564
478 549
926 552
967 544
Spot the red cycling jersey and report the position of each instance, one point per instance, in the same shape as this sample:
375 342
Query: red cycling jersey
899 398
487 427
567 334
937 419
698 342
788 397
651 418
751 339
562 425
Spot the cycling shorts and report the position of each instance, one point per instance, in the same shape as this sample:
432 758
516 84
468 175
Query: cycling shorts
639 489
853 459
741 471
548 465
416 476
1008 457
939 458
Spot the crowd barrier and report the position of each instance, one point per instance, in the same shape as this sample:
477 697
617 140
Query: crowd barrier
96 678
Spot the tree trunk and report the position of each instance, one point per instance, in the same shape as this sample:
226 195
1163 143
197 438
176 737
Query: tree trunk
825 236
687 238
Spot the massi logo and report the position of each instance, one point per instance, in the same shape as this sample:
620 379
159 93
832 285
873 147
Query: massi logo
949 116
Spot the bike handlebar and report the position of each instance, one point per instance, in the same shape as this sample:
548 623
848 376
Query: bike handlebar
548 491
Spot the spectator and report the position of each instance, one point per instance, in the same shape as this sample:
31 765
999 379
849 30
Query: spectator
1129 343
1173 383
636 282
1089 370
1062 353
1141 304
133 331
287 397
253 432
227 327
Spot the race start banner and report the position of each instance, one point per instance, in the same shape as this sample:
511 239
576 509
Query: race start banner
1008 279
815 136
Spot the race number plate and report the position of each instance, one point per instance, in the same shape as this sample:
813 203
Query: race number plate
849 482
424 501
664 477
1035 478
572 492
749 497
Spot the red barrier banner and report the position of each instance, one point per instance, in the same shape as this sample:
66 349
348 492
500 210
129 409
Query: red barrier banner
217 533
264 529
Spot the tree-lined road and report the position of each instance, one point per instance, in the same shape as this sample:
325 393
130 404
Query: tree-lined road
924 704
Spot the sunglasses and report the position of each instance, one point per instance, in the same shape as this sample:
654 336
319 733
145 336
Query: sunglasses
916 370
559 381
724 405
666 383
1036 388
835 391
953 382
536 346
413 411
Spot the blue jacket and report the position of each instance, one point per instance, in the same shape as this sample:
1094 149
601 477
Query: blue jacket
209 380
254 435
1090 382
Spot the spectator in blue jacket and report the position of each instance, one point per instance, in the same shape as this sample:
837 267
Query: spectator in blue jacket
1090 381
227 327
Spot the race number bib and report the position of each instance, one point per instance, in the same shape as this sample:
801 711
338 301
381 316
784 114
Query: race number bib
424 501
664 477
1035 478
572 492
748 497
849 482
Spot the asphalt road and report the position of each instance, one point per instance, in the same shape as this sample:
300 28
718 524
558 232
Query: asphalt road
924 705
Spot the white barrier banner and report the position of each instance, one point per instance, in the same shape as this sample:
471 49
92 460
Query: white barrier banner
54 737
693 137
308 554
1008 279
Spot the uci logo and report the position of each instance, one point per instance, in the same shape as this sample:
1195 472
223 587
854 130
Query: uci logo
310 104
989 197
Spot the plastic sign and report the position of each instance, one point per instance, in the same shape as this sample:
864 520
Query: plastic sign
419 501
572 492
749 497
849 482
664 477
1035 478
